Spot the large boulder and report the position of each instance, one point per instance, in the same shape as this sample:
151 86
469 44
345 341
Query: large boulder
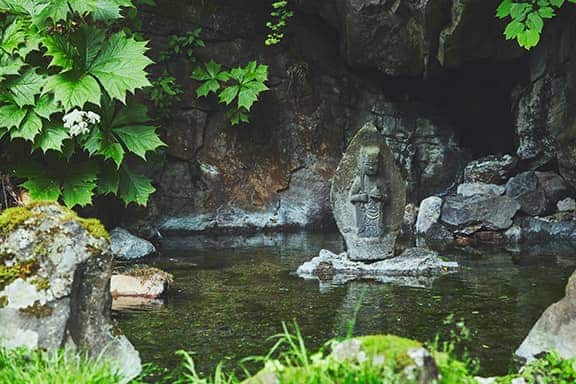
548 229
537 192
428 214
55 285
555 330
488 211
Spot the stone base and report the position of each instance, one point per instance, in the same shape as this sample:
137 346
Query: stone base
415 267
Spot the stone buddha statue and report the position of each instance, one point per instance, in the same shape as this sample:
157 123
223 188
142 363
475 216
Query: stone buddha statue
369 194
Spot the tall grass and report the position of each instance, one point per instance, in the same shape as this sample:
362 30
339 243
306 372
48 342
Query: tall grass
25 367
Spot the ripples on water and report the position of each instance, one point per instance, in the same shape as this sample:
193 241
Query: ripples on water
232 293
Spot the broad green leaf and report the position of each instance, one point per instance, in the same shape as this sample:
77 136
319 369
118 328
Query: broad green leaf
120 66
546 12
108 180
207 87
504 9
64 54
47 106
519 10
42 188
10 65
139 139
74 93
14 35
535 22
24 88
79 185
51 138
513 29
134 188
31 126
229 94
246 97
11 116
557 3
131 114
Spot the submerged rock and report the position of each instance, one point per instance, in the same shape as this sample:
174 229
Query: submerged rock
144 282
492 169
555 330
126 246
492 212
411 268
54 285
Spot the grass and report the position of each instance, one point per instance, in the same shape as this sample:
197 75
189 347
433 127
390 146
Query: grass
25 367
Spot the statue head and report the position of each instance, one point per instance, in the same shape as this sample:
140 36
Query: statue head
370 160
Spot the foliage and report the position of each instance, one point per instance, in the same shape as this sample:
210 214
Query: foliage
527 18
239 87
280 14
26 367
66 126
549 369
183 45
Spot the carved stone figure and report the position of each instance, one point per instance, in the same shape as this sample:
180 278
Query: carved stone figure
369 194
368 197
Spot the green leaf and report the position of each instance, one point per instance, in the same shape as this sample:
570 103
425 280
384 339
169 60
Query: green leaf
42 188
229 94
535 22
557 3
108 180
207 87
513 29
139 139
546 12
134 188
64 54
73 92
79 185
120 66
247 97
31 126
519 10
504 9
14 35
11 116
10 65
529 38
51 138
24 88
47 106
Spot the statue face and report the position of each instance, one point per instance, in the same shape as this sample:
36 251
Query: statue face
371 166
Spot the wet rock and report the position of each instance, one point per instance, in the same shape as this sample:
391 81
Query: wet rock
550 228
410 217
412 263
126 246
494 169
428 214
492 212
60 293
489 238
566 205
537 192
144 282
438 237
513 235
555 330
471 189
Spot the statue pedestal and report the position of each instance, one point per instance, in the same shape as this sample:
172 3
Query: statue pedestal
415 267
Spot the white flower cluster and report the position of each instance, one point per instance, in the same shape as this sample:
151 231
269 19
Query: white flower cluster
78 121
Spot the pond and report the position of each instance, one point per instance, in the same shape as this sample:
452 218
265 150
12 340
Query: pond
232 293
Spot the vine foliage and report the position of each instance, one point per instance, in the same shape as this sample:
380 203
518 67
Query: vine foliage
69 125
527 18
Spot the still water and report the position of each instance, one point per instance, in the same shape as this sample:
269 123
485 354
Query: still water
232 293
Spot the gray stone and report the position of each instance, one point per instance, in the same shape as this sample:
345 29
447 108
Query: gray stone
410 217
537 192
368 197
411 268
492 212
550 228
126 246
490 169
513 235
471 189
555 330
428 214
566 205
65 299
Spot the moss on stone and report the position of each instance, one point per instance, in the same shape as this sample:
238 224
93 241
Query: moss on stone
12 218
95 228
389 346
41 283
37 310
21 270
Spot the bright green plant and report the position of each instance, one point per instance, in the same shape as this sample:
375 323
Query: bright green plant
527 18
164 93
183 45
280 14
66 74
240 87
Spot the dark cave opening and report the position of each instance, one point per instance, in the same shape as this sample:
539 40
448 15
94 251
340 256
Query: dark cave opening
475 98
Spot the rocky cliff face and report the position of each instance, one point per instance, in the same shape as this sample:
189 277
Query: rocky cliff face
404 65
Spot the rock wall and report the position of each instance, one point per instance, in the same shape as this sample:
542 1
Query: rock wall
342 64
